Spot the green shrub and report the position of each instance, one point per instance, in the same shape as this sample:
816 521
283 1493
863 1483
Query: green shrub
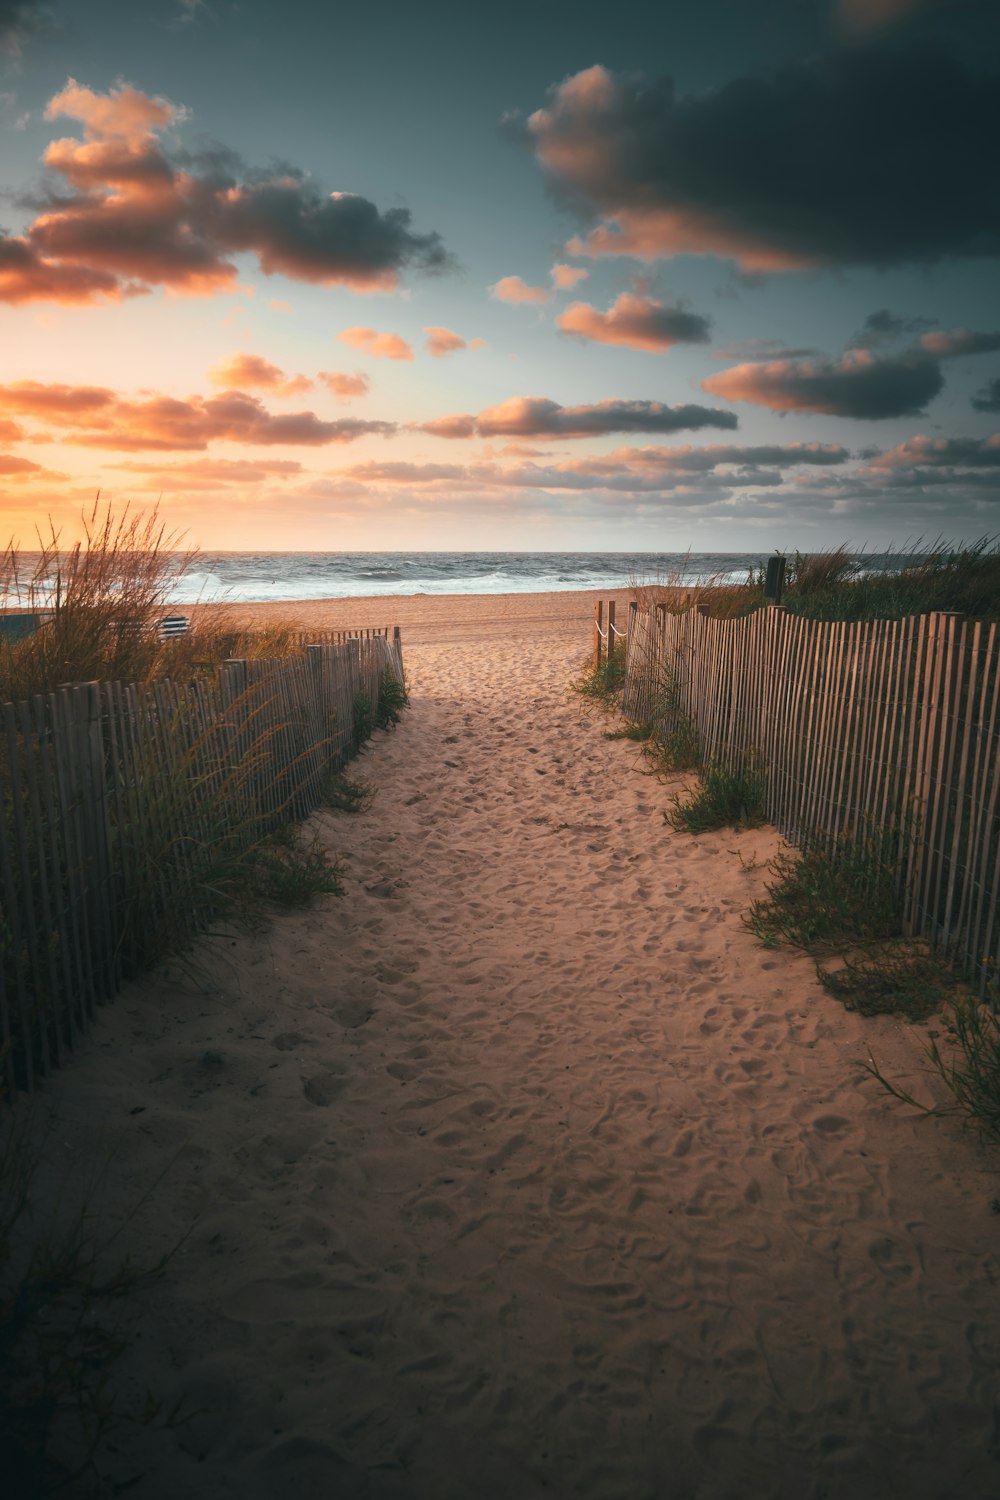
844 893
346 795
289 870
392 699
362 718
897 981
725 798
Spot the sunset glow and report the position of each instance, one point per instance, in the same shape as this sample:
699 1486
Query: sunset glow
305 294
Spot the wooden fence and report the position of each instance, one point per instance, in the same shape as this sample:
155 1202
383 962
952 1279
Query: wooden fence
124 807
887 727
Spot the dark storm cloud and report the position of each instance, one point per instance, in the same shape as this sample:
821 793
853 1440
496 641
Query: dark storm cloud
873 155
537 416
951 453
954 342
139 218
988 399
883 327
857 385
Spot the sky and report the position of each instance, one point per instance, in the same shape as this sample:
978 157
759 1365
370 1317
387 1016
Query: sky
716 275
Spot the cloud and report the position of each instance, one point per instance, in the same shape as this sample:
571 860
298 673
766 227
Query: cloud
138 217
95 417
873 15
10 432
242 370
988 399
19 21
344 387
378 345
638 322
923 451
12 467
513 289
883 327
441 341
857 385
405 473
955 342
564 278
870 156
746 350
537 416
212 473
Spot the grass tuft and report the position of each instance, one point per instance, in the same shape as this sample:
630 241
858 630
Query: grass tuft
289 870
724 799
970 1071
895 981
341 792
830 895
392 699
605 681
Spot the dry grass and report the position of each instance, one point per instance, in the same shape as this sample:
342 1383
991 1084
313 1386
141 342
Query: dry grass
104 597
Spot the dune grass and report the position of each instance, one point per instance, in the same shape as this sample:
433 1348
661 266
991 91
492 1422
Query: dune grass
604 681
725 798
833 585
828 894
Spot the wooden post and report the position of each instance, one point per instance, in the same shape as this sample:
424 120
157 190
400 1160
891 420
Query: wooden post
611 629
598 627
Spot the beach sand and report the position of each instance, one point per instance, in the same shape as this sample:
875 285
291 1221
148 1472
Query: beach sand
522 1169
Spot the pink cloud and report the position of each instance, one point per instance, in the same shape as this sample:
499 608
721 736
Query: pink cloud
95 417
21 468
513 289
441 341
242 370
564 278
344 387
638 322
136 219
378 345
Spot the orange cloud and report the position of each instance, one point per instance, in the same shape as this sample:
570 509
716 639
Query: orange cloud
95 417
513 289
242 370
441 341
564 278
638 322
378 345
211 473
136 218
21 468
345 387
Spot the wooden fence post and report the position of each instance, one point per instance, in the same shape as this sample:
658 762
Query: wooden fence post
598 631
611 630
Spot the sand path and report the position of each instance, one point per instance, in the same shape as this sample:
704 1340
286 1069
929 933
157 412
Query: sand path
523 1171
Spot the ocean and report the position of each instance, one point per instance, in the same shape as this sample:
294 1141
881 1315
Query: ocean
255 577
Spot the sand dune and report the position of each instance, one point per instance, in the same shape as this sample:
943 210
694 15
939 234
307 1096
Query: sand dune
522 1170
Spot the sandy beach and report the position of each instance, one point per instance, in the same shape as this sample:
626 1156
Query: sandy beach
522 1170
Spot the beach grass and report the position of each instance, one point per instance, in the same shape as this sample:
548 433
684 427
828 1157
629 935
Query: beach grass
828 894
835 584
725 798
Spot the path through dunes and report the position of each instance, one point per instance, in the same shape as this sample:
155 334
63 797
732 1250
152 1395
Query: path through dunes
524 1170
